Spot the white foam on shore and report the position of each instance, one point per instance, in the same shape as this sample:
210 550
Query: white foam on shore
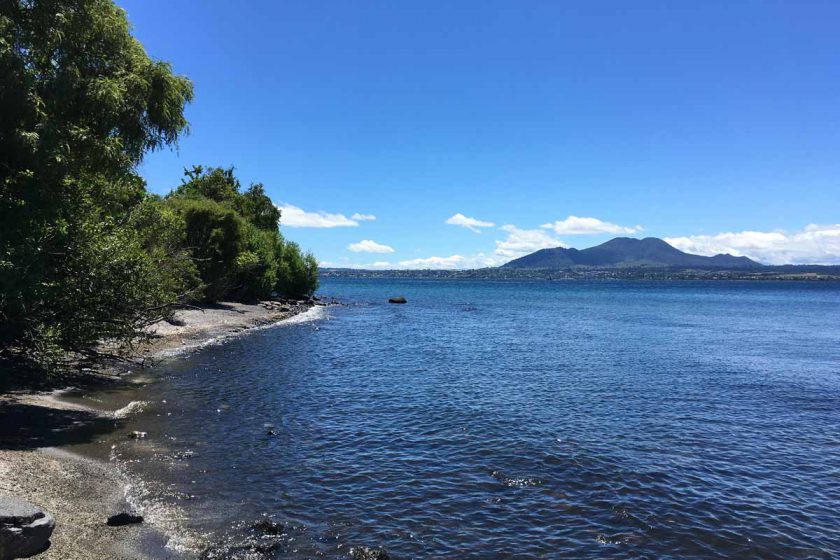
131 408
315 313
169 519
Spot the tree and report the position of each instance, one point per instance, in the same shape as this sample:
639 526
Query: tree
235 240
214 236
256 207
299 272
86 254
214 183
80 104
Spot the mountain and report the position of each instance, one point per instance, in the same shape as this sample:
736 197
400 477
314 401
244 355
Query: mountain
627 252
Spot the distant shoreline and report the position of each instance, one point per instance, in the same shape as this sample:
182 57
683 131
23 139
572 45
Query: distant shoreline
799 273
81 492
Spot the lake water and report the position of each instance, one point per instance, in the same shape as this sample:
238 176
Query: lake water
509 420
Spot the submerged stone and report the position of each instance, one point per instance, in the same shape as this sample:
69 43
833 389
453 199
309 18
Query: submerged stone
366 553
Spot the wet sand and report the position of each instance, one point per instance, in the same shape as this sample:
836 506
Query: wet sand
81 492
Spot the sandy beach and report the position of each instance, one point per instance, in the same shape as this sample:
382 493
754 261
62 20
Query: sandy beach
81 492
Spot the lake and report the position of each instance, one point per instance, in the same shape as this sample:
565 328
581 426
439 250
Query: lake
507 420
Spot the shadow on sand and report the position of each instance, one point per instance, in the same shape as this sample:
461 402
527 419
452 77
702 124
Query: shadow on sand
25 426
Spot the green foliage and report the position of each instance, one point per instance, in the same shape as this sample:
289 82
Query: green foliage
258 264
109 284
79 92
214 183
222 186
214 235
256 207
235 241
299 272
86 254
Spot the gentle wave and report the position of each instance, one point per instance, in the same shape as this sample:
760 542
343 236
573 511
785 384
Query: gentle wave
615 420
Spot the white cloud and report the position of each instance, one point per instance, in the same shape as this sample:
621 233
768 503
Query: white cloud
479 260
363 266
452 262
292 216
573 225
378 265
814 244
369 246
520 242
433 262
469 223
517 243
363 217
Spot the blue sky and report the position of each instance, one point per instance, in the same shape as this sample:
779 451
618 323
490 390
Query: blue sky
715 125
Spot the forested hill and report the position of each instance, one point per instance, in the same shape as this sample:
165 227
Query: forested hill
87 254
627 252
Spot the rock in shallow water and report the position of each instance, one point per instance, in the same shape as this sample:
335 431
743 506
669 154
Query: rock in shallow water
365 553
124 519
398 299
25 529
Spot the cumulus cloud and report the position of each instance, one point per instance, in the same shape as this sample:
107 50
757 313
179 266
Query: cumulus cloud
369 246
293 216
433 262
517 242
363 217
574 225
520 242
478 260
452 262
467 222
814 244
363 266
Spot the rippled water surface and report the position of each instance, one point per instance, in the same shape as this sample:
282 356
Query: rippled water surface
512 420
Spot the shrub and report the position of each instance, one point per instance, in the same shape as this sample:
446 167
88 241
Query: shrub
214 237
235 240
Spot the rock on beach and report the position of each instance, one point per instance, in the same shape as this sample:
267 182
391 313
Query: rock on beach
25 529
124 518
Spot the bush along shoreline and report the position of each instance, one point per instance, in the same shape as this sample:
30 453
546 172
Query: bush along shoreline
87 254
